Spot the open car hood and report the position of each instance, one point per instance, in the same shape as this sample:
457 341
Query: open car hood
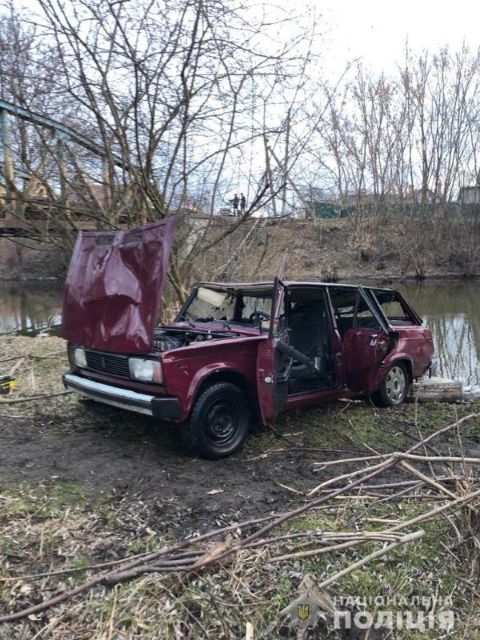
114 286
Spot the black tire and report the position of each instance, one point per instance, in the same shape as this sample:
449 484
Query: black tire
394 387
219 422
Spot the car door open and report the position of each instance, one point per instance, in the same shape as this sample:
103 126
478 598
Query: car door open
364 334
272 364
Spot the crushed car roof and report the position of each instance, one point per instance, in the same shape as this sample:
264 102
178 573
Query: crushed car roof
287 283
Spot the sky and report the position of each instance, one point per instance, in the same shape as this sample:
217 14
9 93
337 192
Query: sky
376 31
373 32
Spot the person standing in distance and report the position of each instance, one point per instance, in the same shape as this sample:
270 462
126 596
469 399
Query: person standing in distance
243 204
235 203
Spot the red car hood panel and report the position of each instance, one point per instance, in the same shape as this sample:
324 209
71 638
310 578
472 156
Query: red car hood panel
114 286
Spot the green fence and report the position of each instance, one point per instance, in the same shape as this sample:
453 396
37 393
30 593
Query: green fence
330 210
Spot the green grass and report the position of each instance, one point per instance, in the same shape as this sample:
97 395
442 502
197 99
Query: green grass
358 425
220 600
60 525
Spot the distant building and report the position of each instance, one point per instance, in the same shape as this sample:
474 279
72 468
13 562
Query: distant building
469 195
82 192
417 196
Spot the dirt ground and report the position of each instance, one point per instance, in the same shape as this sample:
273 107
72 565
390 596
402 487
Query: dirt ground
113 453
101 451
82 485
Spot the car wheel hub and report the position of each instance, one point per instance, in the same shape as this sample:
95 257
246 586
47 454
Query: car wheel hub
395 385
221 422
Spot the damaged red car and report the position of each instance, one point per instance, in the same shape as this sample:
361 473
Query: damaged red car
237 353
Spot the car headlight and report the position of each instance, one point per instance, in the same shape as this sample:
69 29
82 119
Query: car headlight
145 370
80 358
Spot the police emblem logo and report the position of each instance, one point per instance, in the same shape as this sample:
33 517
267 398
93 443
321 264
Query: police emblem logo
310 605
303 611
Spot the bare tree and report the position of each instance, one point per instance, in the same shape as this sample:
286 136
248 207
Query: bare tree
168 92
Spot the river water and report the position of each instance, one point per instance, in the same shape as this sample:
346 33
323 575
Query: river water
450 308
452 311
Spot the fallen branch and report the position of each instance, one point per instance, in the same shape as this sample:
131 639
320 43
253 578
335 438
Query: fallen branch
433 483
419 458
167 559
312 553
10 358
319 466
429 515
406 483
380 536
352 474
411 537
392 458
443 430
146 555
50 354
109 577
291 489
31 356
17 365
33 398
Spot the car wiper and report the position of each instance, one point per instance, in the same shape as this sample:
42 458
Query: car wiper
187 320
224 323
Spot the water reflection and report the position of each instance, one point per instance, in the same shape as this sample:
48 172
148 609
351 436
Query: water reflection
29 309
452 311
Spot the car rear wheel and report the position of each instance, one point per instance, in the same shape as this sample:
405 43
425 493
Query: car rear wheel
394 388
219 422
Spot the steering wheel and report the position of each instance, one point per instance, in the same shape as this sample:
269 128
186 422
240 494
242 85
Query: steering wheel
258 316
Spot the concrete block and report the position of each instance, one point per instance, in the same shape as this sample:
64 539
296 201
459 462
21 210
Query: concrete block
439 389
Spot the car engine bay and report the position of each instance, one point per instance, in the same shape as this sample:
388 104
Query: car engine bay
169 339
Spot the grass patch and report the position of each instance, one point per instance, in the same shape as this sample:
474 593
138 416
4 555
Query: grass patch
58 525
59 528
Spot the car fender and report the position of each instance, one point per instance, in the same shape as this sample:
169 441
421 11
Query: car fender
385 366
211 370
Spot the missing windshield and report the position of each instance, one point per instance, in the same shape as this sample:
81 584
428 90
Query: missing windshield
228 306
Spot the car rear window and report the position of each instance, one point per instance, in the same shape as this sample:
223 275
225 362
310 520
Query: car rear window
351 310
393 308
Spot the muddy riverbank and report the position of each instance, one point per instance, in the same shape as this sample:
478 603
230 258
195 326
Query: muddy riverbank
386 247
81 488
65 441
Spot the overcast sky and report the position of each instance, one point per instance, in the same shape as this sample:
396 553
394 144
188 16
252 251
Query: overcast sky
376 30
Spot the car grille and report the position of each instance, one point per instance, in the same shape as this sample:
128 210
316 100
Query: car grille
108 363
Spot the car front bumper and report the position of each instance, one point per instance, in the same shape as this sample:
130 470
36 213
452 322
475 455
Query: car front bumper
167 408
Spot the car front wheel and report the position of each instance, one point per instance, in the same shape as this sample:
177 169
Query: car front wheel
394 388
219 422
